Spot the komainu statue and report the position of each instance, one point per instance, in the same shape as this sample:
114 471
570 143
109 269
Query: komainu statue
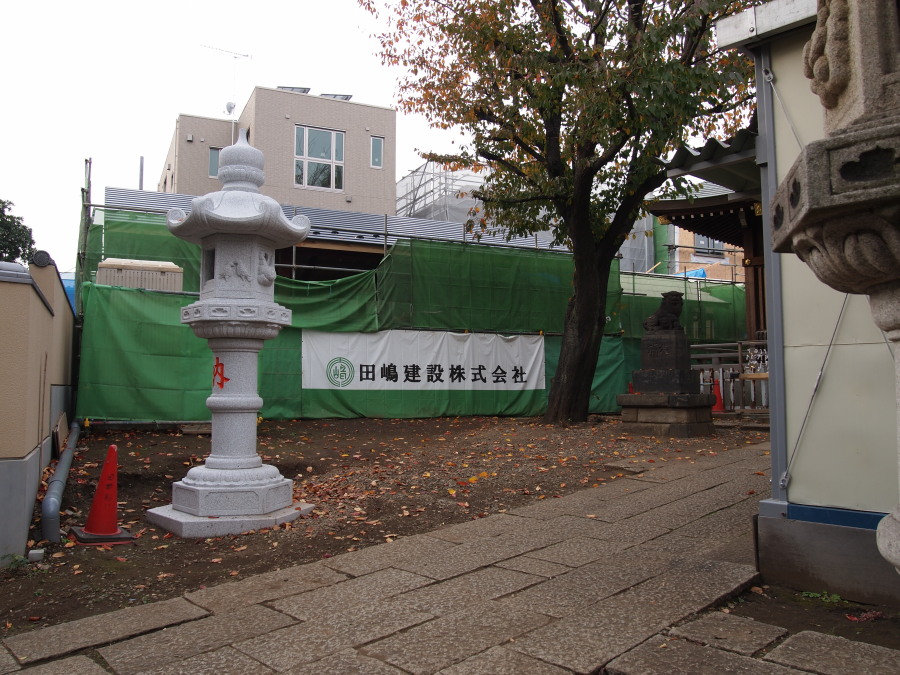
666 317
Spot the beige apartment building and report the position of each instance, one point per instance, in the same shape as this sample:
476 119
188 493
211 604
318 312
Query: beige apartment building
324 152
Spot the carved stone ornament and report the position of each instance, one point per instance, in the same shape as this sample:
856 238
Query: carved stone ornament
826 57
853 253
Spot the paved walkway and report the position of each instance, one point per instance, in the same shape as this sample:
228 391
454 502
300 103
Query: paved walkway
613 579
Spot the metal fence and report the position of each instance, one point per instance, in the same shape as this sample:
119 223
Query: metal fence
740 370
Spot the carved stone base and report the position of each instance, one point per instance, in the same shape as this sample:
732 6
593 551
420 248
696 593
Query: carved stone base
672 415
233 496
190 526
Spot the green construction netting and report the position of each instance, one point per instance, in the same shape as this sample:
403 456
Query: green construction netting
458 286
133 235
714 311
139 362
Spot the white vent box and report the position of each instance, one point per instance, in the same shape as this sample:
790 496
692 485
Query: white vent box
149 274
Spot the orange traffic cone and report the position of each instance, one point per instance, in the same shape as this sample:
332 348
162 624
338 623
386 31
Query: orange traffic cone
719 405
101 527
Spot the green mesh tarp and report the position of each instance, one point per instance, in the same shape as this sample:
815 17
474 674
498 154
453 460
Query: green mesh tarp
714 311
343 305
456 286
133 235
138 361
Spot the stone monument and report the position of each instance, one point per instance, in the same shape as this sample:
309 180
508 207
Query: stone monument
667 399
838 208
238 230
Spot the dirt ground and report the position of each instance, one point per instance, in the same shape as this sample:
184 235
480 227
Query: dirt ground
372 481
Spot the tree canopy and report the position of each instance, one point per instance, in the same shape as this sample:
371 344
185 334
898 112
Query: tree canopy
16 242
570 106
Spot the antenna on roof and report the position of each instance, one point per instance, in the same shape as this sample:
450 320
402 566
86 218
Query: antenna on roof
229 107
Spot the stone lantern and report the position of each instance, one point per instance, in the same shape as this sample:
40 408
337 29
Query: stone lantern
238 230
838 208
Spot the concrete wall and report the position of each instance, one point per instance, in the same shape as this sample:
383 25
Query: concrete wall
846 456
186 170
271 115
35 348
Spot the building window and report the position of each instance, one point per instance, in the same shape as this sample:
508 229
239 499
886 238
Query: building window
214 162
706 246
318 158
377 157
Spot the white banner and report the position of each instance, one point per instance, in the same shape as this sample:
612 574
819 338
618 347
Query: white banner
422 360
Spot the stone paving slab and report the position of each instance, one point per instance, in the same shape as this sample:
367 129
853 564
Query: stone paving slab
829 655
688 509
370 588
501 661
658 656
577 551
595 635
534 566
565 527
80 665
182 642
732 519
447 597
585 586
374 558
674 546
331 633
661 495
230 596
575 504
732 633
491 526
8 663
224 661
447 640
347 662
634 532
462 558
664 471
100 630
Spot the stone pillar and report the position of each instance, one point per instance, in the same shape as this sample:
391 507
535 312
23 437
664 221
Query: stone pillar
238 230
838 208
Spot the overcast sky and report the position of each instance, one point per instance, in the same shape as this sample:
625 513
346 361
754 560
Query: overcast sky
106 80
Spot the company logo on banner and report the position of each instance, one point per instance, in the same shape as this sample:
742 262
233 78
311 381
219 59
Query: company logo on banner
422 360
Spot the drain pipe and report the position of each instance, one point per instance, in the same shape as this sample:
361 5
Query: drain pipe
53 499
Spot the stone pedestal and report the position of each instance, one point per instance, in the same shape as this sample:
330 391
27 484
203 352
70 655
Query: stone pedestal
671 415
667 401
238 229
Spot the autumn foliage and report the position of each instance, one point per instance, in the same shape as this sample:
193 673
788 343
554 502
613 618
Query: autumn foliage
568 106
